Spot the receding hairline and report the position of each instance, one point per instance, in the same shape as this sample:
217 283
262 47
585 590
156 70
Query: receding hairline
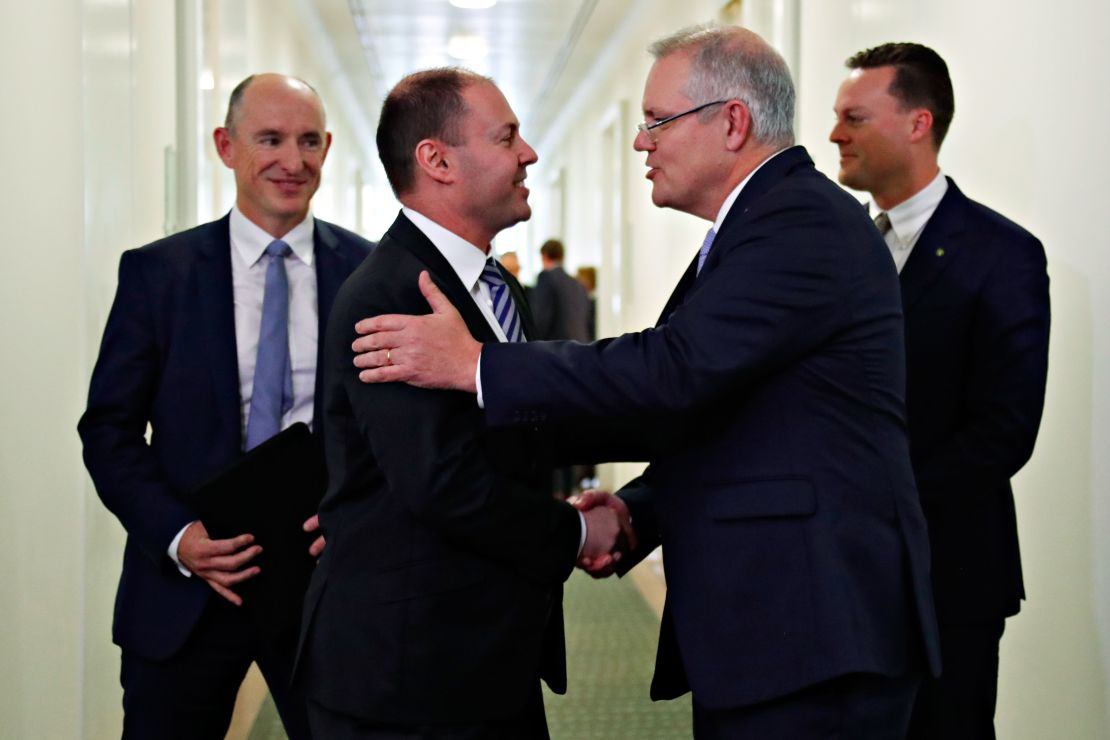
235 102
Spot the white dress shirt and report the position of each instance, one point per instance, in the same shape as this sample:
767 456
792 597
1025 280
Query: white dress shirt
248 281
248 284
466 259
908 219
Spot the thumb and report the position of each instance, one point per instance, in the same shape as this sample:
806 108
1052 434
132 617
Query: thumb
433 295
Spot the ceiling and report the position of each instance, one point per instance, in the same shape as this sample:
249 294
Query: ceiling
537 51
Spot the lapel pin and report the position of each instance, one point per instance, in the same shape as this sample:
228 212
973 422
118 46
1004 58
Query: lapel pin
940 252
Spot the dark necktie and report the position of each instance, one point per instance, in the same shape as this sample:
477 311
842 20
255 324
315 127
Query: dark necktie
503 307
882 223
272 393
706 245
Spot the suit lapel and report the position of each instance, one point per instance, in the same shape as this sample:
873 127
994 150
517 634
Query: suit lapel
678 295
936 248
332 269
443 275
767 177
217 308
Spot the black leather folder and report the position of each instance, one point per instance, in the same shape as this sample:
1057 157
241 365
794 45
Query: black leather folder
269 492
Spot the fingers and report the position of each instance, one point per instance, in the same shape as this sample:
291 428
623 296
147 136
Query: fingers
386 322
230 563
376 358
387 374
589 499
433 295
227 593
312 523
316 547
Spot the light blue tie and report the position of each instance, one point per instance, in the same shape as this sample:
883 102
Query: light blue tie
503 307
705 246
272 395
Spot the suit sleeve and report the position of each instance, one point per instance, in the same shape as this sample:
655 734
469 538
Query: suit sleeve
124 469
1007 371
429 447
770 298
639 496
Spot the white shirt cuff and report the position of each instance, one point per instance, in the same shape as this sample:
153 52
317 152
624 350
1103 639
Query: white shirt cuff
582 539
172 551
478 381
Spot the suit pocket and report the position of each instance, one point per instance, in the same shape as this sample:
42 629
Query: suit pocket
423 578
781 497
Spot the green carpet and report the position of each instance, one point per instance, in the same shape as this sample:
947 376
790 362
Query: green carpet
611 634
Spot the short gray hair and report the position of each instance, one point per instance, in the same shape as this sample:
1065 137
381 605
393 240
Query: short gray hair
736 64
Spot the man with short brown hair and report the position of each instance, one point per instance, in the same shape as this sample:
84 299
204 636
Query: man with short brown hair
976 306
436 608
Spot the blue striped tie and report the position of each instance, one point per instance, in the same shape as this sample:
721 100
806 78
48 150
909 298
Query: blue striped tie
503 307
705 247
272 394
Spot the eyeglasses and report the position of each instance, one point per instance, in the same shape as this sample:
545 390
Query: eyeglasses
648 129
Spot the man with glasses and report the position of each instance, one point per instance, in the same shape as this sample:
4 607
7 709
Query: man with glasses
797 560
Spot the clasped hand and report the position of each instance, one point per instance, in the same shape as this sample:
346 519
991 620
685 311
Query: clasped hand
609 532
225 563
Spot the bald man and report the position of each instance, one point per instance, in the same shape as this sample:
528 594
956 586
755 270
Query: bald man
182 353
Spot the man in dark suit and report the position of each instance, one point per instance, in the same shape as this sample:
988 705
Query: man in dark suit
562 311
436 607
798 600
180 352
975 298
559 302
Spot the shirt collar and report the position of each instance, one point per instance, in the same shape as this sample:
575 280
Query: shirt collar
908 218
250 240
727 205
466 259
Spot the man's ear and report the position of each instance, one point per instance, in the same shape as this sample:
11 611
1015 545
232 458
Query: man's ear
738 120
922 127
222 137
432 159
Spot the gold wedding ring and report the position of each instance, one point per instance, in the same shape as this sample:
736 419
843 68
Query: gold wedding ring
388 358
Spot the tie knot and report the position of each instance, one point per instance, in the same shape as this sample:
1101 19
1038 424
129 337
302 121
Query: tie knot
882 223
491 276
278 248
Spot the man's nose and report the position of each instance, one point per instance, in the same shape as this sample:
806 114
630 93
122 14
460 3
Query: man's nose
291 157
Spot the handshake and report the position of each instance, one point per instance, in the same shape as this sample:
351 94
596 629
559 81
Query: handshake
609 533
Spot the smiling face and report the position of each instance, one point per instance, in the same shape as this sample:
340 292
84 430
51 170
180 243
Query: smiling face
873 131
491 163
687 162
276 146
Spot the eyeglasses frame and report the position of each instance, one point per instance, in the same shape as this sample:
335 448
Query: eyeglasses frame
646 128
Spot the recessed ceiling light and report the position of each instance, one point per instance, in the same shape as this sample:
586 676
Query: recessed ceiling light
473 4
467 47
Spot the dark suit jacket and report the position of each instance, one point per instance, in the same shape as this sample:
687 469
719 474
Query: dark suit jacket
561 306
795 547
438 598
975 297
168 358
